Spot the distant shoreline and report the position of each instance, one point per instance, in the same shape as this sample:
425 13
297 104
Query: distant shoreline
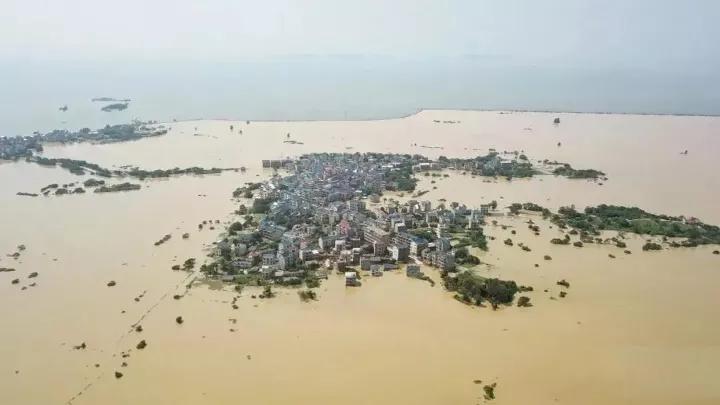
419 111
574 112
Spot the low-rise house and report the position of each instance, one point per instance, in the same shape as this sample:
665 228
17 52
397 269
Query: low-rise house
306 255
291 280
413 270
351 279
379 248
276 164
444 260
346 256
339 245
242 263
506 164
399 252
443 244
267 271
241 249
376 234
390 266
399 227
367 261
269 259
417 245
271 230
245 237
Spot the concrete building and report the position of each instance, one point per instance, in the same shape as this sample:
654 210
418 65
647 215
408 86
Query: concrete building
307 254
443 244
374 234
366 262
443 260
351 279
269 259
241 249
399 252
339 245
271 230
242 264
379 248
417 245
413 270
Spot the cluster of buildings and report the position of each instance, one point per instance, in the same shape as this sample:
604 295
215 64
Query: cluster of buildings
492 164
15 147
276 164
18 146
323 216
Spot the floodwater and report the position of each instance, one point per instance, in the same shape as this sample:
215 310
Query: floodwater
638 329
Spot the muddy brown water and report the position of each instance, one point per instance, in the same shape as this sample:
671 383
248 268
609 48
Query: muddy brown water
638 329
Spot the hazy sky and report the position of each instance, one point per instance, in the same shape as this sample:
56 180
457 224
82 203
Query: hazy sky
660 34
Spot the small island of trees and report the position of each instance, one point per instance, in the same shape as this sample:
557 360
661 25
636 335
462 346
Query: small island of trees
118 187
473 289
632 219
571 173
115 107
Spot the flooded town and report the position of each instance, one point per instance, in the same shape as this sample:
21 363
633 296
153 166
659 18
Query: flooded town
438 265
472 202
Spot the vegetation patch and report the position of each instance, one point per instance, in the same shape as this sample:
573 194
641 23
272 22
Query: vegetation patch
568 171
118 187
307 295
473 289
632 219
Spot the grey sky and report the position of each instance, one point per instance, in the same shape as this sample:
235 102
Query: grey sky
659 34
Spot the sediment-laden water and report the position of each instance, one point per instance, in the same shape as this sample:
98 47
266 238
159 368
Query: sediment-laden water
637 329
